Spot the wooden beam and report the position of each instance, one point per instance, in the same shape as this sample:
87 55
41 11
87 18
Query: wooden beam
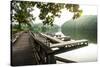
67 43
66 49
52 38
66 38
42 44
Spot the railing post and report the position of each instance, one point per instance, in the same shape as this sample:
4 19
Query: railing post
44 49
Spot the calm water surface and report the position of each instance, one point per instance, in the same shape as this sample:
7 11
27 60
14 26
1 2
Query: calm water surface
84 54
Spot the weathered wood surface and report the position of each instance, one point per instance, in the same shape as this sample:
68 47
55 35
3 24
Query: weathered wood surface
66 38
43 49
66 49
22 53
16 36
52 38
32 49
64 46
42 42
69 43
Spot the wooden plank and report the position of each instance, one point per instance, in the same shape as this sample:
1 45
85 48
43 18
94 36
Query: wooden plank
52 38
66 38
44 47
63 44
44 51
16 36
66 49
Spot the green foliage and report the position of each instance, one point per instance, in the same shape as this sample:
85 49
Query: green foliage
54 9
23 8
45 28
14 29
74 8
21 11
84 27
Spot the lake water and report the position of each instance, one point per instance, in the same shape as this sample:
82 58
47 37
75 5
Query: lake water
83 28
84 54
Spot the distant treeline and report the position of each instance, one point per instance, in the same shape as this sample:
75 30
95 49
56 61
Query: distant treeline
84 27
45 28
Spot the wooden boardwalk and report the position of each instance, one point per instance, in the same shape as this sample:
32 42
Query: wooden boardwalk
27 51
22 51
33 49
58 46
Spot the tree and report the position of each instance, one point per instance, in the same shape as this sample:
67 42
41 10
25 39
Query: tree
48 11
21 12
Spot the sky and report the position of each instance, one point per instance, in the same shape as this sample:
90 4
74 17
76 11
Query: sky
93 2
66 15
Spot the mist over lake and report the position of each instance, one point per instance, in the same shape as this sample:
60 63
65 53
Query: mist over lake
84 27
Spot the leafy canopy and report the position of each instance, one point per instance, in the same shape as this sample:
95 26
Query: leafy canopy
21 11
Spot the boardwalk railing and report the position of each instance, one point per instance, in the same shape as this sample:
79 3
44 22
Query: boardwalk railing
16 36
45 51
68 46
70 43
42 49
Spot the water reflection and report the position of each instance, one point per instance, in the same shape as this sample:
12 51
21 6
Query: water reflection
84 27
84 54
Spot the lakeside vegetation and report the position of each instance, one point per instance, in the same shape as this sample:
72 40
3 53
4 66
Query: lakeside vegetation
84 27
23 19
78 27
45 28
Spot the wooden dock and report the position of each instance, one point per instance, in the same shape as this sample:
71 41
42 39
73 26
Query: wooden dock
37 48
52 38
58 46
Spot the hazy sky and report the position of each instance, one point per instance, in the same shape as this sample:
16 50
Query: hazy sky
66 15
93 2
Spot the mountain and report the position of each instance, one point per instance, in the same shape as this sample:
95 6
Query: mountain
84 27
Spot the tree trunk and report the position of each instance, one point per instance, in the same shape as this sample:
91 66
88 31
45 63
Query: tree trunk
19 27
